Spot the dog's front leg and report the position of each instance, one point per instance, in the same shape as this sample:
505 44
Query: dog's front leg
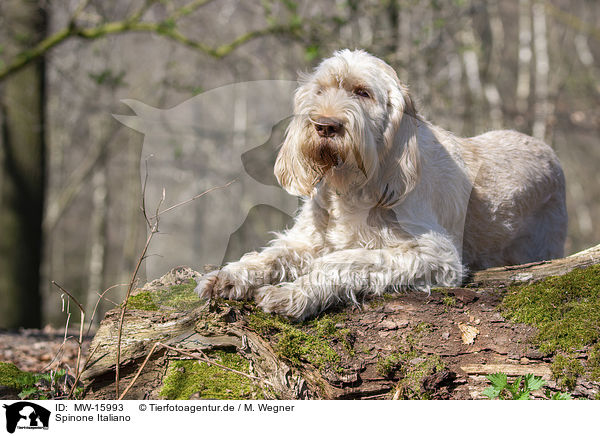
286 259
347 275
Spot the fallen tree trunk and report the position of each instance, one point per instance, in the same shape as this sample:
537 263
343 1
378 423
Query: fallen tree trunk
518 274
410 345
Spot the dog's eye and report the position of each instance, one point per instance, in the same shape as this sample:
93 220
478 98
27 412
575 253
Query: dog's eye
361 92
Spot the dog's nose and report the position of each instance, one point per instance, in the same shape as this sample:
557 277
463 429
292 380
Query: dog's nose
327 127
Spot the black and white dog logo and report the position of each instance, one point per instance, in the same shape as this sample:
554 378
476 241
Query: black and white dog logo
26 415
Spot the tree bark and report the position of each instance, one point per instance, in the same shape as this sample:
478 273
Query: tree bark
411 345
23 170
532 272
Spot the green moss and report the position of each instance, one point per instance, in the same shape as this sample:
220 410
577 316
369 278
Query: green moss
35 386
412 367
386 366
565 309
565 370
449 301
566 312
177 297
307 342
593 363
13 377
411 384
422 327
186 377
142 301
181 297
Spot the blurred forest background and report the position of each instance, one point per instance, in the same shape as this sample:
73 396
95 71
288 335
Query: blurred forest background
70 188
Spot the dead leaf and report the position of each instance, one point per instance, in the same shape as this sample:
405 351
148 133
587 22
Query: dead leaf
469 333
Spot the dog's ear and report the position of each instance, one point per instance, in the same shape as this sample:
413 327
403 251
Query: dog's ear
402 160
292 172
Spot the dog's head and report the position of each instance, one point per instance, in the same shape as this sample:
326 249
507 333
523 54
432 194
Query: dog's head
353 122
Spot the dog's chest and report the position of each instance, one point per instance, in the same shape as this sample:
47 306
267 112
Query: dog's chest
351 225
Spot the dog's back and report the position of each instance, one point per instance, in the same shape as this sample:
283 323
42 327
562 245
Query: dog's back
517 210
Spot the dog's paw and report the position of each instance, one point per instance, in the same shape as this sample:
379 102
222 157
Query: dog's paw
285 299
222 283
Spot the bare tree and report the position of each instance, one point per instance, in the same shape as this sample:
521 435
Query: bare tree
542 68
23 169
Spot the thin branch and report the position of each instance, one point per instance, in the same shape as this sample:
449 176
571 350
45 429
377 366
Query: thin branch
153 224
137 374
143 207
124 308
81 325
101 297
134 24
186 352
69 294
195 197
85 364
211 362
80 7
188 9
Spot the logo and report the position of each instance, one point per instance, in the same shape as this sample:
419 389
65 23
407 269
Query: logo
26 415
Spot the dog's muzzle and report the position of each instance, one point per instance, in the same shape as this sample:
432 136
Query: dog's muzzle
327 127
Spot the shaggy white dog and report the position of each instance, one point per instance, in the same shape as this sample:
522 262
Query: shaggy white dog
392 201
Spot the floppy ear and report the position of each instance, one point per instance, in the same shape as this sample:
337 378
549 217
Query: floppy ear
293 173
402 160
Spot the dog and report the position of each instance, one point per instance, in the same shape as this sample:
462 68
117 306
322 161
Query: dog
391 201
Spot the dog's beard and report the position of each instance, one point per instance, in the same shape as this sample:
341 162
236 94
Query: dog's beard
335 161
324 154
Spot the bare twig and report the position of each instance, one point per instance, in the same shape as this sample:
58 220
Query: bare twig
186 352
195 197
80 7
188 9
212 362
137 374
81 324
78 374
101 297
124 308
144 191
153 224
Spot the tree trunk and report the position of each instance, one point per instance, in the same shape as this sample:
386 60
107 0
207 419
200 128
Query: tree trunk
23 170
542 69
525 55
410 345
98 237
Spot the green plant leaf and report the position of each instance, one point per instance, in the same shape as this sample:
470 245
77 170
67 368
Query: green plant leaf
498 380
523 395
515 387
26 393
491 392
533 383
561 396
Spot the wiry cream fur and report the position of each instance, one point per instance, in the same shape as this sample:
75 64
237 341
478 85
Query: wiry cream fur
393 202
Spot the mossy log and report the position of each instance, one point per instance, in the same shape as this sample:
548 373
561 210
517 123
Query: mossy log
408 345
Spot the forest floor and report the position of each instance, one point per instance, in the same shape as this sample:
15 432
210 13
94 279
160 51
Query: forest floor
42 350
